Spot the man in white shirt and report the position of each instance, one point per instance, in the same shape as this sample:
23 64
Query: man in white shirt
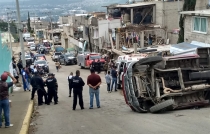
69 78
15 75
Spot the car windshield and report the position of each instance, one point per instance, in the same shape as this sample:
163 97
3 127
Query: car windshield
27 56
69 55
93 57
57 53
40 62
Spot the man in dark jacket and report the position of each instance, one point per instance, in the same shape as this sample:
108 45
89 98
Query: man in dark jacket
98 66
38 85
20 66
77 84
70 83
52 86
4 98
93 64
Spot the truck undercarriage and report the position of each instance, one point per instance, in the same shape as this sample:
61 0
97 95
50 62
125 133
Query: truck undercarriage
164 83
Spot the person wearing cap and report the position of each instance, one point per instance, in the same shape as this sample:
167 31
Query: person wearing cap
77 84
37 84
52 86
94 82
4 98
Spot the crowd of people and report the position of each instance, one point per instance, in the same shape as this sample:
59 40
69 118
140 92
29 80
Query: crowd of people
33 78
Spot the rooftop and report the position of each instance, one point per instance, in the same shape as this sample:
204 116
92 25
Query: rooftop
197 12
139 4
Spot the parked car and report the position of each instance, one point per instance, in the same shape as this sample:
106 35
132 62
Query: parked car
39 57
56 55
29 59
43 64
157 83
68 58
33 47
30 43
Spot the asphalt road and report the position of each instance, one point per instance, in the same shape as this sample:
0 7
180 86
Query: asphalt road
114 116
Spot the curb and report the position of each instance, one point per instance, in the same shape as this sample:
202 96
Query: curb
27 119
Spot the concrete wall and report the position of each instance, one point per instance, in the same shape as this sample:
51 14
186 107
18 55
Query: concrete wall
5 58
104 26
63 19
189 35
167 14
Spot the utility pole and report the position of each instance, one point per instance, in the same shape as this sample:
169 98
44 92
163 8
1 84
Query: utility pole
20 34
9 32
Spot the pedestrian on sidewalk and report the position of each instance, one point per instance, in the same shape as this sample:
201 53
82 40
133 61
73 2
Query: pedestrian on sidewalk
25 80
57 65
38 85
114 78
108 81
20 66
15 74
77 84
94 82
70 83
51 83
4 98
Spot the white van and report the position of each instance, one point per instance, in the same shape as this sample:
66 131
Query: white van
123 62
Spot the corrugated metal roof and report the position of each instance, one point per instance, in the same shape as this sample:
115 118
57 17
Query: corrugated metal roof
131 5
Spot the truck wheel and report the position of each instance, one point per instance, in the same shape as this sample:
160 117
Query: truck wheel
161 106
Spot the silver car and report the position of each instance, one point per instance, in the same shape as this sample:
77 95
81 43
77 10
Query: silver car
33 47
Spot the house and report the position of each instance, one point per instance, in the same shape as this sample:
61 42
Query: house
197 26
164 13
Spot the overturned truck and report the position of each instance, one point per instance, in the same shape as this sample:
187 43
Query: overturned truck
154 84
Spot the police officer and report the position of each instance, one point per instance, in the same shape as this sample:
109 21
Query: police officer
98 66
77 84
38 85
52 85
93 64
56 90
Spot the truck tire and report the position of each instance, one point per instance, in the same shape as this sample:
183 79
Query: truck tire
160 106
150 60
199 75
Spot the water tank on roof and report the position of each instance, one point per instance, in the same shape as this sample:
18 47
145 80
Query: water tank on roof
137 18
148 19
126 17
116 13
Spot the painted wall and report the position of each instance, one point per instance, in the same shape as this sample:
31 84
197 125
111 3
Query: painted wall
190 36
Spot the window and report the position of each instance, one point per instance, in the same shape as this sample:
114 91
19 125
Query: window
200 24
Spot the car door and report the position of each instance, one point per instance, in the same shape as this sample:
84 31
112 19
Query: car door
61 58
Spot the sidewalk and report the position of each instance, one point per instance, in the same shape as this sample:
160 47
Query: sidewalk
20 103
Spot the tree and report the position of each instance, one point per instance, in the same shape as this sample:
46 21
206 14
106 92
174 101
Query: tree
189 5
29 23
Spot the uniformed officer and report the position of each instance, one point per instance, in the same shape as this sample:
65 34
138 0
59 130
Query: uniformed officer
52 85
93 64
38 85
77 84
56 90
98 66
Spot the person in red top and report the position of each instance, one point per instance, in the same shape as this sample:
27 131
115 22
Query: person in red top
94 82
